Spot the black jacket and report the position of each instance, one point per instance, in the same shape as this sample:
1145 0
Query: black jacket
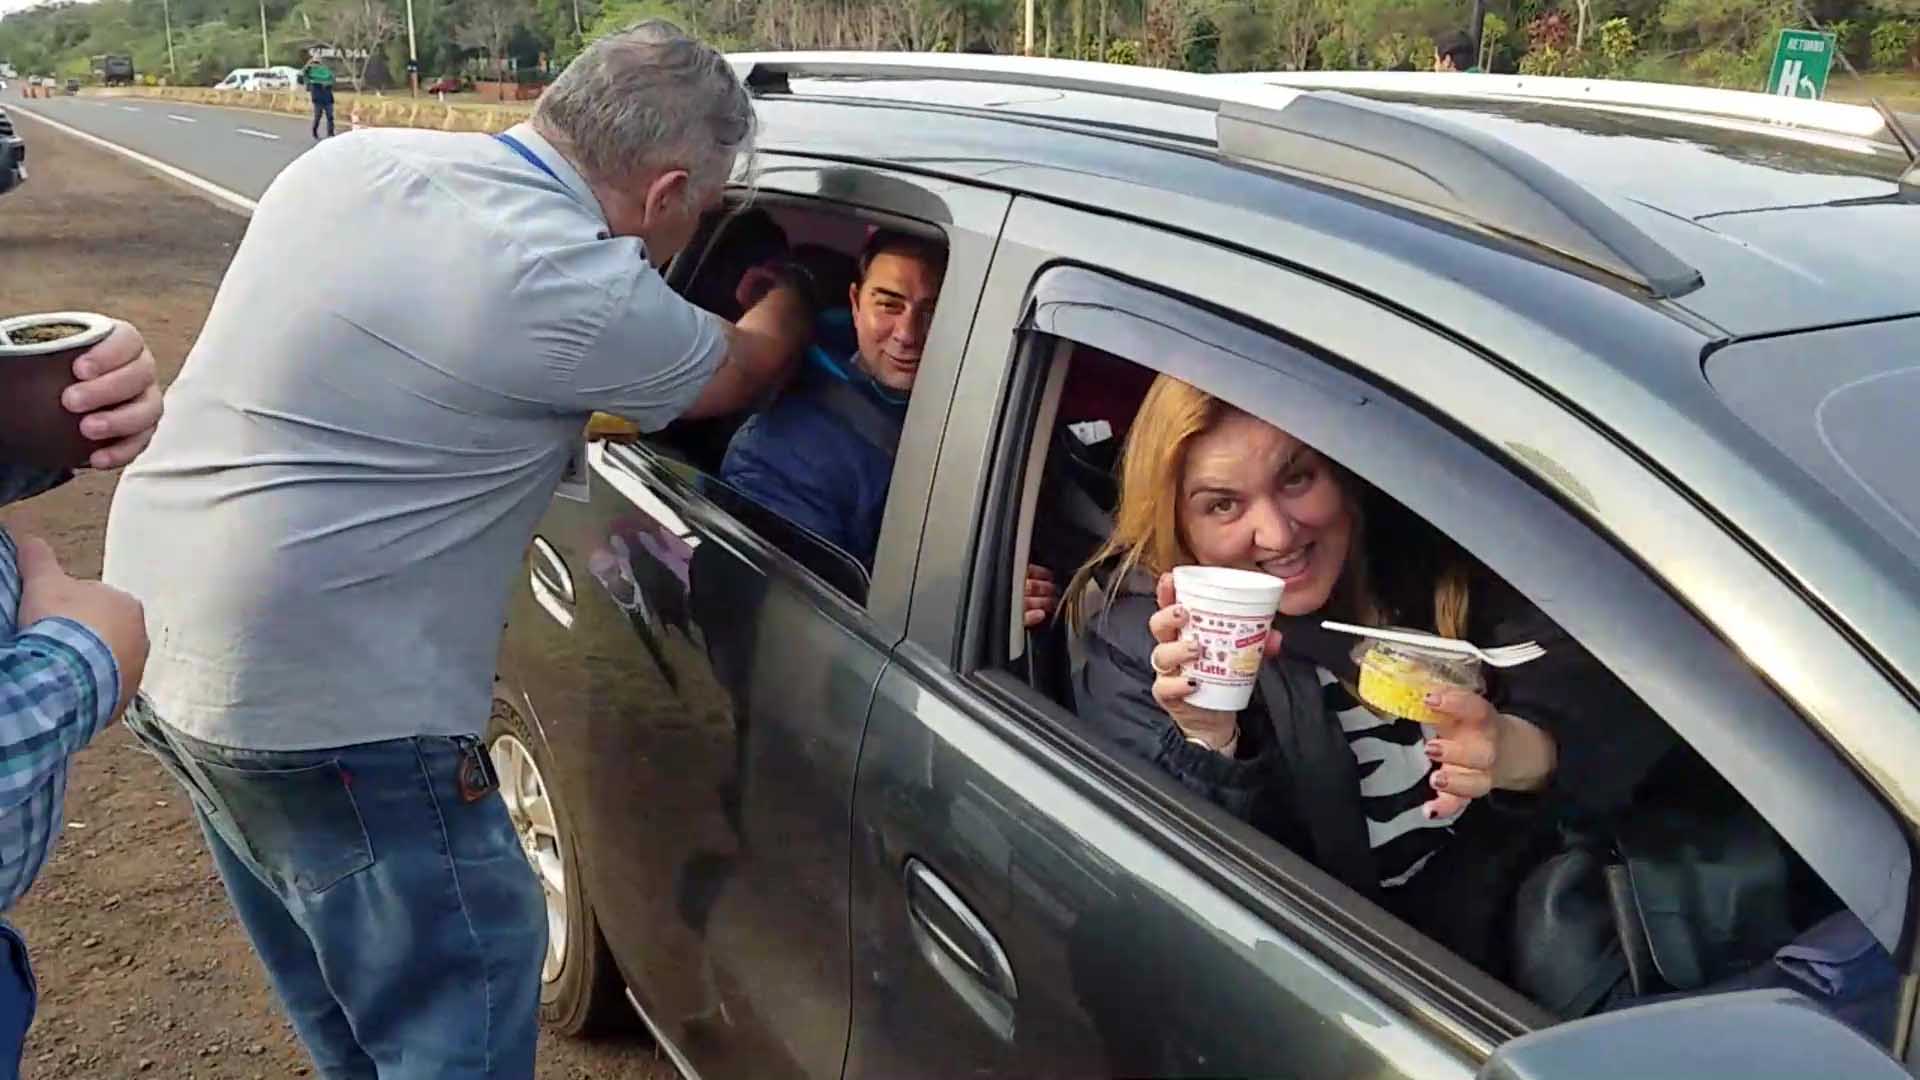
1296 780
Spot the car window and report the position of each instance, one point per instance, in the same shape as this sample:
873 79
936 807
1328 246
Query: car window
810 470
1840 403
1645 793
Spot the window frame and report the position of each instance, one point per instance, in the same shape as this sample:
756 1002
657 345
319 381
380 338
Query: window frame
970 220
974 645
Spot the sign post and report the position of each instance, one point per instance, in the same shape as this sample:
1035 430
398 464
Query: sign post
1800 64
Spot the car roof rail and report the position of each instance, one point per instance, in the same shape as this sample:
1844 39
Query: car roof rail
1439 167
1702 103
1378 150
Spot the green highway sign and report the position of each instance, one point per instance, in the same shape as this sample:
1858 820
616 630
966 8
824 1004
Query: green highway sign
1800 64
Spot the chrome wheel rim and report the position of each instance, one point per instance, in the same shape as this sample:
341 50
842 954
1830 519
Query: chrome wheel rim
531 809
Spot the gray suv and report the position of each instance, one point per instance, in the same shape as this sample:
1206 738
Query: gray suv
1650 354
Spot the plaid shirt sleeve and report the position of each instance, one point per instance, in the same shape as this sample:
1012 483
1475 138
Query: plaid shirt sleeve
58 687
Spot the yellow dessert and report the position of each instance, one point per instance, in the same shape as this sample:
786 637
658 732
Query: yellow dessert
1395 679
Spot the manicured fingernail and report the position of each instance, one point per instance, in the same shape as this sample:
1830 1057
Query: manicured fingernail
1434 751
1439 781
93 427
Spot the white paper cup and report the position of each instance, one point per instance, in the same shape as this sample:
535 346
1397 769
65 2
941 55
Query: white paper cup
1228 613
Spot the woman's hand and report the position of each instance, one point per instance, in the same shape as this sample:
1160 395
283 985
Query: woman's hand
1218 730
1042 596
1481 750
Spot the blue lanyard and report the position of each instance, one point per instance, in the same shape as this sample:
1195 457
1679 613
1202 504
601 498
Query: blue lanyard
520 148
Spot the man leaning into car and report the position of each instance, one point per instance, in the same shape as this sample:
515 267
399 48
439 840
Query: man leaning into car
327 526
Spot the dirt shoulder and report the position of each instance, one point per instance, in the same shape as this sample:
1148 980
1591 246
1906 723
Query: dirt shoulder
143 970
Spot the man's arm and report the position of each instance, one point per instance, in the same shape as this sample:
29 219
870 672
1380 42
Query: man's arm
661 358
761 352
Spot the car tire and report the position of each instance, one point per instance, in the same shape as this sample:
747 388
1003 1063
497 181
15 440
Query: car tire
586 995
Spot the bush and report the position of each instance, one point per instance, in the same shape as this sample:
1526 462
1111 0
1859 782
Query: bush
1729 69
1123 51
1847 39
1892 44
1616 45
1332 53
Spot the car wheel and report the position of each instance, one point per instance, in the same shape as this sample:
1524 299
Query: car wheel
581 992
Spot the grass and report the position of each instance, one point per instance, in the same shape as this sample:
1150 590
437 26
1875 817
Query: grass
1902 91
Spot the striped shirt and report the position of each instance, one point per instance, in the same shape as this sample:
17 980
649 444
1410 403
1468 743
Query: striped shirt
1392 755
58 687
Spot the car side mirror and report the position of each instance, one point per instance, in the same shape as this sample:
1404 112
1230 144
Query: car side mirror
1754 1034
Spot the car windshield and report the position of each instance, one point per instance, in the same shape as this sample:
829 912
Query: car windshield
1841 403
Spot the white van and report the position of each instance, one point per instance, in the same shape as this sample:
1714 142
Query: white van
254 79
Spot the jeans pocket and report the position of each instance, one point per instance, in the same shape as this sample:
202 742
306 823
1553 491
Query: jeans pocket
299 826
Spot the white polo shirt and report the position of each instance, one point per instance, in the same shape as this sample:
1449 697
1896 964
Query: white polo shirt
408 341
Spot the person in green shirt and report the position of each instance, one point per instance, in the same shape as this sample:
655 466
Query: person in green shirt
1453 51
319 80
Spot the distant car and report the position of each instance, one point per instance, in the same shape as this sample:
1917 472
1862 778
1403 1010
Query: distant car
13 156
446 84
73 86
254 79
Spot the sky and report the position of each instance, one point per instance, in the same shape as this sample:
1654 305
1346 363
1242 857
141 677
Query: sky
8 7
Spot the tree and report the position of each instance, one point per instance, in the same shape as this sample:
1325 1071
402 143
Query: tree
490 25
354 28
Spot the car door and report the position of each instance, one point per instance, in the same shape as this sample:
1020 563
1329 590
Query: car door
703 670
1028 905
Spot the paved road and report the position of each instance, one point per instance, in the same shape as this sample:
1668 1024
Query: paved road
238 149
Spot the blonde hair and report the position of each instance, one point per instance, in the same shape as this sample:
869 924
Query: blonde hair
1147 536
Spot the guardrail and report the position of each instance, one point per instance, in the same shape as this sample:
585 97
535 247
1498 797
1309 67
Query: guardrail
357 110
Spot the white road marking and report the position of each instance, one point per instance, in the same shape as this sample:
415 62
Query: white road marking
131 108
257 134
232 200
182 119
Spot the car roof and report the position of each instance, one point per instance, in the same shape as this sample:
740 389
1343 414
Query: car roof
1770 204
1781 221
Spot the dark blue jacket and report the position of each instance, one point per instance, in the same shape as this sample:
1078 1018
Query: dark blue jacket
801 460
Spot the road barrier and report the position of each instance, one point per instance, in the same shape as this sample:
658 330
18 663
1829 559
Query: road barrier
358 110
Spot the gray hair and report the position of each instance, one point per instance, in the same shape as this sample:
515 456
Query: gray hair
649 97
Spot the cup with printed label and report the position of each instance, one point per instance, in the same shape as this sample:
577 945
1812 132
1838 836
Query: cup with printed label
1228 615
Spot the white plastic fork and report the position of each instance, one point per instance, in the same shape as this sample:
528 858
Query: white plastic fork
1501 656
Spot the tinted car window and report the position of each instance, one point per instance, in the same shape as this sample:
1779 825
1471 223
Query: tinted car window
1842 404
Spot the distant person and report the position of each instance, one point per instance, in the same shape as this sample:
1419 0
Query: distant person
329 524
320 86
1453 51
71 654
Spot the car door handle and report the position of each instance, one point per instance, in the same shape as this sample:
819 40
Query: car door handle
957 943
552 584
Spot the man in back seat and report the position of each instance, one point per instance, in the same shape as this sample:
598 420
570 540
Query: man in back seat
822 455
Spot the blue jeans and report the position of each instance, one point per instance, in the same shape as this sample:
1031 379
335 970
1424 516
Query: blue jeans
17 997
322 107
399 923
